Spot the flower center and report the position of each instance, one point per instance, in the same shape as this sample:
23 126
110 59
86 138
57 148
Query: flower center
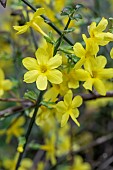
43 69
69 108
94 74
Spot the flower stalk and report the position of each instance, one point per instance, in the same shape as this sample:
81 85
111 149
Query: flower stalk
61 37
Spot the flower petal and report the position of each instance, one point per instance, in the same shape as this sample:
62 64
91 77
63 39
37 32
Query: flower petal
90 64
30 63
73 84
42 56
81 74
91 28
41 82
77 101
100 87
7 84
51 94
21 29
80 63
100 38
60 107
38 12
68 98
91 47
106 73
102 25
74 115
101 61
88 84
79 50
31 76
38 29
108 36
64 120
55 61
55 76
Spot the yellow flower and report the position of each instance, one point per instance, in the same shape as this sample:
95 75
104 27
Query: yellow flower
97 73
32 23
43 68
52 93
97 34
49 147
63 140
15 129
86 55
5 84
10 164
68 107
49 125
80 165
56 89
42 114
26 164
74 76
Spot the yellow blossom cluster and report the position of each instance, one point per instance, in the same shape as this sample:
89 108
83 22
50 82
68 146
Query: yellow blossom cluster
90 62
89 69
51 70
14 129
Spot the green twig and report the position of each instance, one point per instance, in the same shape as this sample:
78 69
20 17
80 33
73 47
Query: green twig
61 37
29 129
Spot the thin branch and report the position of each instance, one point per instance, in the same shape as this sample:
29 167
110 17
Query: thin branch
16 109
97 142
14 100
106 163
93 96
28 104
38 156
61 37
10 111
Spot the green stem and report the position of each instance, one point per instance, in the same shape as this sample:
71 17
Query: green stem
48 21
67 25
61 37
29 129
